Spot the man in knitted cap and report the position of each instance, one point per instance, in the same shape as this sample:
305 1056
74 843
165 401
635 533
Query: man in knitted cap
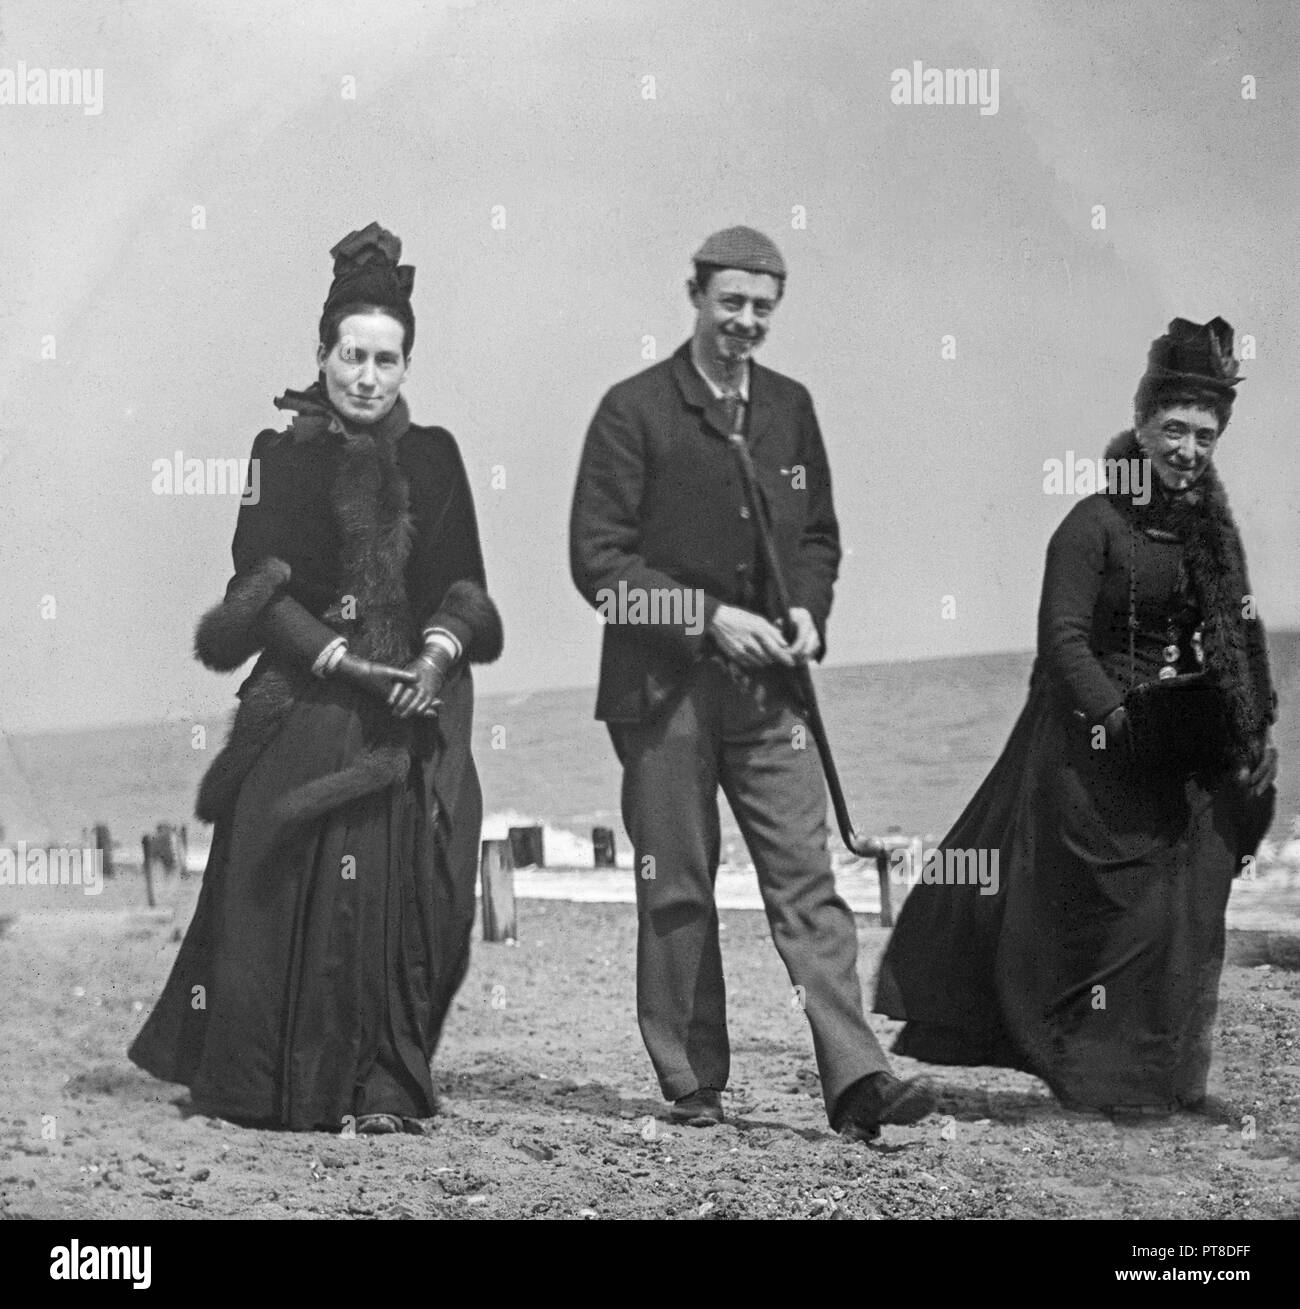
694 691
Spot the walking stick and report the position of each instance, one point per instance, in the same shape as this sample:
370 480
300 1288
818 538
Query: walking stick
866 846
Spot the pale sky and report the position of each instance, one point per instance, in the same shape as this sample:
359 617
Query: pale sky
921 222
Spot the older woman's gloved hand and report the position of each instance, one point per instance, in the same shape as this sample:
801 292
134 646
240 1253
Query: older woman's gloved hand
1264 773
1116 726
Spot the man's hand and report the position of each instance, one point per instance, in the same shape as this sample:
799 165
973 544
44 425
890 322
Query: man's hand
807 644
421 695
749 638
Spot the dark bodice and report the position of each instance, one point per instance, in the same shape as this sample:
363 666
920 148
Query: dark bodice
1083 620
1165 613
294 519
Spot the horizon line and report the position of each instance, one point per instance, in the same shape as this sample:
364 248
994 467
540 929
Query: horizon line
119 724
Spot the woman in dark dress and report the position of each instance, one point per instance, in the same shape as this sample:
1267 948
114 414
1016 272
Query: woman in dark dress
1096 964
332 928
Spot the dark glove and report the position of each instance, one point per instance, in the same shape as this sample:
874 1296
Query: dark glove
1264 773
429 672
380 680
1116 726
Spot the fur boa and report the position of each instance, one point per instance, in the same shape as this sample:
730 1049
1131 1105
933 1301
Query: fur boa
372 506
1216 569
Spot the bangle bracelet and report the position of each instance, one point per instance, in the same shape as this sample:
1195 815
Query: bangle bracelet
446 640
325 662
437 659
336 659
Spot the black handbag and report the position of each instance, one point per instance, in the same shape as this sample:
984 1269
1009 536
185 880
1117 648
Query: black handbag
1177 725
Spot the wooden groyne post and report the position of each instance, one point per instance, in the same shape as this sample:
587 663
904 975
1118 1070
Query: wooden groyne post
496 872
526 847
146 865
602 847
171 847
104 843
894 842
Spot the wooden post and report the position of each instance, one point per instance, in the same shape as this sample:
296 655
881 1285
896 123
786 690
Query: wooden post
526 847
167 847
496 870
895 844
161 847
146 862
886 904
602 847
104 842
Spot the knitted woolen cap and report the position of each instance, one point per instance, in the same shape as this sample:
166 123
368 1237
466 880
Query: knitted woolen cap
743 248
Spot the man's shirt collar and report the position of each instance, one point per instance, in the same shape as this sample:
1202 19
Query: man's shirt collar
718 392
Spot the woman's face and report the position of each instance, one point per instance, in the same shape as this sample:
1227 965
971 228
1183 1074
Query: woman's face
1180 442
366 366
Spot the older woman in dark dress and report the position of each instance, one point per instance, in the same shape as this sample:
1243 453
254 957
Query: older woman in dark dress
1096 965
332 928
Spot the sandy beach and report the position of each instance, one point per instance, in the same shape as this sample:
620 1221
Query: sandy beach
549 1107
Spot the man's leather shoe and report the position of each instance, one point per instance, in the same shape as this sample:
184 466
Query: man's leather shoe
702 1108
881 1098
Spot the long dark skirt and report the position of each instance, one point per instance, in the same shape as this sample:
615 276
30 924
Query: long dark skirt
312 985
1096 964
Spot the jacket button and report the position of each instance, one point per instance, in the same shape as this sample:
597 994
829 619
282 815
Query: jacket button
744 511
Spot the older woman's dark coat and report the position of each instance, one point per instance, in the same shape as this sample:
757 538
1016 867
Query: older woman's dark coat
332 928
1096 965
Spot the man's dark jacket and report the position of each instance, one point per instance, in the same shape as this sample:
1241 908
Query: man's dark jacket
660 504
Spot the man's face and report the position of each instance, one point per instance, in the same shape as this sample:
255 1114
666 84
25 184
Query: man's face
365 368
1180 442
733 315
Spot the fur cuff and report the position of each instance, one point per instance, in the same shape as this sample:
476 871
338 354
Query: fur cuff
469 612
228 634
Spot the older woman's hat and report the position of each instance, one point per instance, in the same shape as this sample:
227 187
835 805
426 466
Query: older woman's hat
743 248
1198 354
366 271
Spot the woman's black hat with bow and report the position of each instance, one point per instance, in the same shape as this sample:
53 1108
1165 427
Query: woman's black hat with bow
366 272
1190 360
1195 353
